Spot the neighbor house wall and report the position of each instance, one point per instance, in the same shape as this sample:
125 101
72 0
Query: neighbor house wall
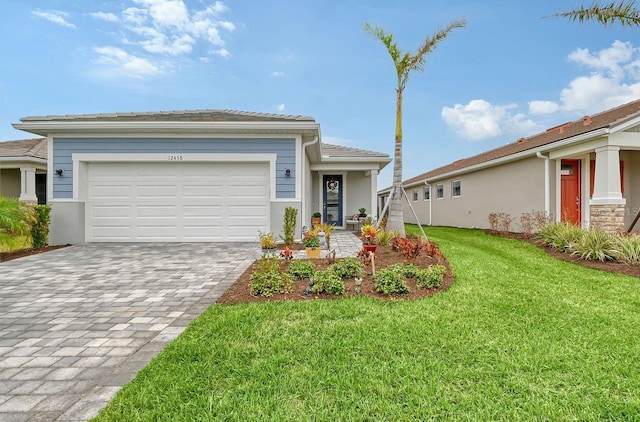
420 206
10 183
513 188
284 148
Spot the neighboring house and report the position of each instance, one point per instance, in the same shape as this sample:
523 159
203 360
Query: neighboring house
196 176
586 172
23 170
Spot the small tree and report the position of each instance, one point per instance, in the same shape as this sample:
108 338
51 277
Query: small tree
624 12
289 226
405 63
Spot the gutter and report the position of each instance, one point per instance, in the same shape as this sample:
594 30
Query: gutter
303 216
547 189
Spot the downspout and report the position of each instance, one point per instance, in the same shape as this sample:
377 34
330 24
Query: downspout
546 183
303 216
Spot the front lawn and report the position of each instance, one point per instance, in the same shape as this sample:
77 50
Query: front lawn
519 336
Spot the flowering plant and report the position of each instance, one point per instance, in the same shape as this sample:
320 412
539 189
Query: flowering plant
369 232
311 239
287 253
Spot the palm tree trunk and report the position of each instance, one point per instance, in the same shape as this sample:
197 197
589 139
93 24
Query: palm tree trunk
396 216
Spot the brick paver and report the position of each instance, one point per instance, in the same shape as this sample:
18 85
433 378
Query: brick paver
78 323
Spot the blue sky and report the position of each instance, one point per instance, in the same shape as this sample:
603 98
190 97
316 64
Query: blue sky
509 73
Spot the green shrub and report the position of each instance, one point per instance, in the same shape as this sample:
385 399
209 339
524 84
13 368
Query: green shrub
40 228
267 280
348 268
301 269
561 236
431 278
389 281
406 270
595 245
328 282
628 249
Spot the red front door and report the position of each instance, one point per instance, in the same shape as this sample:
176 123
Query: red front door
570 200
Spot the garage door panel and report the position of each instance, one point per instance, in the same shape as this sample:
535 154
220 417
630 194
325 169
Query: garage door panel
177 201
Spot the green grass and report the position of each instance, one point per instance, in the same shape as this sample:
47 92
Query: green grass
519 336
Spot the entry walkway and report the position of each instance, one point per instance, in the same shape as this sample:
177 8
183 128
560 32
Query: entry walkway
344 242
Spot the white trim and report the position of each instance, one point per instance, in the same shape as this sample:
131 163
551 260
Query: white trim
298 168
329 167
439 184
79 158
452 182
50 171
32 160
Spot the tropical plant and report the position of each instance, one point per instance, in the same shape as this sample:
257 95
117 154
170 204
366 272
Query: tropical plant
628 249
407 270
369 233
624 12
594 245
289 226
15 219
327 229
405 63
384 237
390 281
560 235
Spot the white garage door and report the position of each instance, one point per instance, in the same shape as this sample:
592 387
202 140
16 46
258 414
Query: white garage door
177 202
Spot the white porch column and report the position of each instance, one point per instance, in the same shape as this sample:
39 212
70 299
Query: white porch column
607 206
606 189
28 185
373 175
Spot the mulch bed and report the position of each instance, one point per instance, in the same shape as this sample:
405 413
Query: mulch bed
8 256
610 266
385 256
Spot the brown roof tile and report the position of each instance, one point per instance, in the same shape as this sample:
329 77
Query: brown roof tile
586 124
36 148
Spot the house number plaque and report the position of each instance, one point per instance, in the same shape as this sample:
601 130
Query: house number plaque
175 157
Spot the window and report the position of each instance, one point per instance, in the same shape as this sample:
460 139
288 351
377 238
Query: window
415 195
439 191
427 193
456 188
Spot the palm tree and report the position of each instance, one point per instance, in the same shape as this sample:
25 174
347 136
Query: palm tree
623 12
405 63
15 219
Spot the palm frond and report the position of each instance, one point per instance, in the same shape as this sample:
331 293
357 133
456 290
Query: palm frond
624 12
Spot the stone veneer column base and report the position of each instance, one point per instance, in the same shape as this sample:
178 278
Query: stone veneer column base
608 218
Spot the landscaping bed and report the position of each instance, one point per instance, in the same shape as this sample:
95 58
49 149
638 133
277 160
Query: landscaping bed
8 256
385 257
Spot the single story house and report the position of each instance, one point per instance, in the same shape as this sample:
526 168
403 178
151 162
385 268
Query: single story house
23 170
586 172
196 175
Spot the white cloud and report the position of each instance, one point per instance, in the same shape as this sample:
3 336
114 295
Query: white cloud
109 17
276 74
222 52
480 120
56 16
116 62
614 79
543 107
281 107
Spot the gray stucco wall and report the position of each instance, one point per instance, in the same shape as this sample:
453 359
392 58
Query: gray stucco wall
514 188
359 194
10 183
277 218
67 223
284 148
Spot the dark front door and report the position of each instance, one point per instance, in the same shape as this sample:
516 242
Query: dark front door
332 199
570 200
41 188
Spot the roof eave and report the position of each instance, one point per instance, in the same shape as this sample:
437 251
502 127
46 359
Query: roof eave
48 128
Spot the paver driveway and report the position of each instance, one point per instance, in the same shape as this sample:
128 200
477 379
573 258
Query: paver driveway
78 323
